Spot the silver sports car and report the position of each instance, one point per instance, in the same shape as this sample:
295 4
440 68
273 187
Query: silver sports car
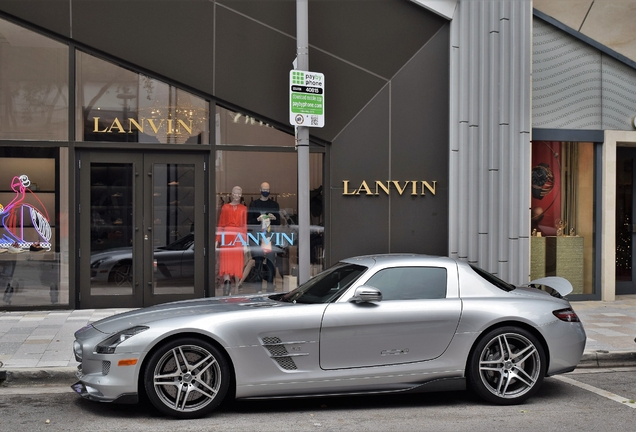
372 324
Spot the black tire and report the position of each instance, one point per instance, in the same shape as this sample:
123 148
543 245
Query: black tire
507 366
187 378
121 274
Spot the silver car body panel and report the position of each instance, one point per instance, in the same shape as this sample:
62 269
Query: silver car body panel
292 349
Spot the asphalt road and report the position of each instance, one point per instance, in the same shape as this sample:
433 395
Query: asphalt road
585 400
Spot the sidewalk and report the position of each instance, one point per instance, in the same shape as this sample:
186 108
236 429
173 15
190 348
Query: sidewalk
36 346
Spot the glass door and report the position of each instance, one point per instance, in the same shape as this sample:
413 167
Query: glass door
174 199
625 224
137 215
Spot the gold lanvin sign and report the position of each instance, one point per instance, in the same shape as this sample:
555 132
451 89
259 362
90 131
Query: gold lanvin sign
416 187
171 127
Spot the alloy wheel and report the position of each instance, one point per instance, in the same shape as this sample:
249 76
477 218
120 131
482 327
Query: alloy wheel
510 365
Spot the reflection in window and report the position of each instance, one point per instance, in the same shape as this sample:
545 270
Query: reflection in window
115 104
173 228
235 128
34 85
562 212
32 255
410 283
268 185
112 230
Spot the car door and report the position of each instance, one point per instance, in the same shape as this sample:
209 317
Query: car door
415 321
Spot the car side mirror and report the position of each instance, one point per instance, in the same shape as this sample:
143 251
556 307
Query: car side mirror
366 294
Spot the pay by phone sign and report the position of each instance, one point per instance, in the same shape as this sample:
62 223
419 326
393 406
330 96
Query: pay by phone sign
307 98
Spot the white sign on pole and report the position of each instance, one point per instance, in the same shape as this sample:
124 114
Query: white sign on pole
306 98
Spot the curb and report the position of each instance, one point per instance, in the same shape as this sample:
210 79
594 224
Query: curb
607 359
39 377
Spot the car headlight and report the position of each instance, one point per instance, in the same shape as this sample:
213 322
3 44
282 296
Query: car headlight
77 350
107 346
96 264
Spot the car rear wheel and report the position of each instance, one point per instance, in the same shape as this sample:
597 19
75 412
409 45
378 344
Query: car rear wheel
187 378
507 366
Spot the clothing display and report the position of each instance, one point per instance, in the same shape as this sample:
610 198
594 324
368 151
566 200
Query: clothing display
232 222
260 207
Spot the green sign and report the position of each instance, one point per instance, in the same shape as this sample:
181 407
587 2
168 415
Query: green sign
306 98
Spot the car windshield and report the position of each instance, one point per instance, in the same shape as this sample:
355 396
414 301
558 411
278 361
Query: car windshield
326 286
493 279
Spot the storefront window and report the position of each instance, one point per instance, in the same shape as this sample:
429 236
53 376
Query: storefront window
34 231
33 85
234 128
257 213
562 212
115 104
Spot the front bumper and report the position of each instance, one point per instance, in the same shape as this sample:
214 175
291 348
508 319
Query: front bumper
91 393
103 381
100 376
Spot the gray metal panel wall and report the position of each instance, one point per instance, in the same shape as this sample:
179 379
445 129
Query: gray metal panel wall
490 136
577 86
54 15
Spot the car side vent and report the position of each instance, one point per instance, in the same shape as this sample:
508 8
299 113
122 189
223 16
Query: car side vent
279 353
105 367
286 363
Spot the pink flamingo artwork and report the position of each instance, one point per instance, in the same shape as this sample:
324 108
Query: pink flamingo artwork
13 214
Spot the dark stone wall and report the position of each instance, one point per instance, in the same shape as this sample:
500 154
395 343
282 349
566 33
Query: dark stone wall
402 135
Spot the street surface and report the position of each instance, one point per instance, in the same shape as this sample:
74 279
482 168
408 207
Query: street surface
585 400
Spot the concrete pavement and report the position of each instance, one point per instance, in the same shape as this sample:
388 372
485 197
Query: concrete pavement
36 346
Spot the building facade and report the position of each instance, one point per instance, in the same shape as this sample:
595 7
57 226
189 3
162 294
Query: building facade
141 141
118 101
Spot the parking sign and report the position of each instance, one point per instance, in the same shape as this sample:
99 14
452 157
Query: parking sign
307 98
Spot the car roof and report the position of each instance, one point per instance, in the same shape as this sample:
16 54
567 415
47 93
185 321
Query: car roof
400 258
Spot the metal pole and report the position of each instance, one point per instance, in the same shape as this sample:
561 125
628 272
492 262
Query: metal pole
302 141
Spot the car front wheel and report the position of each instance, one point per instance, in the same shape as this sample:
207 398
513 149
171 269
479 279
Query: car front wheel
187 378
121 274
507 366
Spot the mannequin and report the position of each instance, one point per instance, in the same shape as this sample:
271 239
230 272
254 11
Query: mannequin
232 222
265 212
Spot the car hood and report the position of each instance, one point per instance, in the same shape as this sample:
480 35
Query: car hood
186 308
109 253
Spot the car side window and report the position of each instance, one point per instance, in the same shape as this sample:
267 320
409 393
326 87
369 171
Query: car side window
410 283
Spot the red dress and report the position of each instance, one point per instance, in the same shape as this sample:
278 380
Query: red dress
232 221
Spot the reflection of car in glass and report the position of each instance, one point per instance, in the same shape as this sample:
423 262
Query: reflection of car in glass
373 324
174 261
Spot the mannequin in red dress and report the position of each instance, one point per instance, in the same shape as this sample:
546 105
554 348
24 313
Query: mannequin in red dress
231 236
